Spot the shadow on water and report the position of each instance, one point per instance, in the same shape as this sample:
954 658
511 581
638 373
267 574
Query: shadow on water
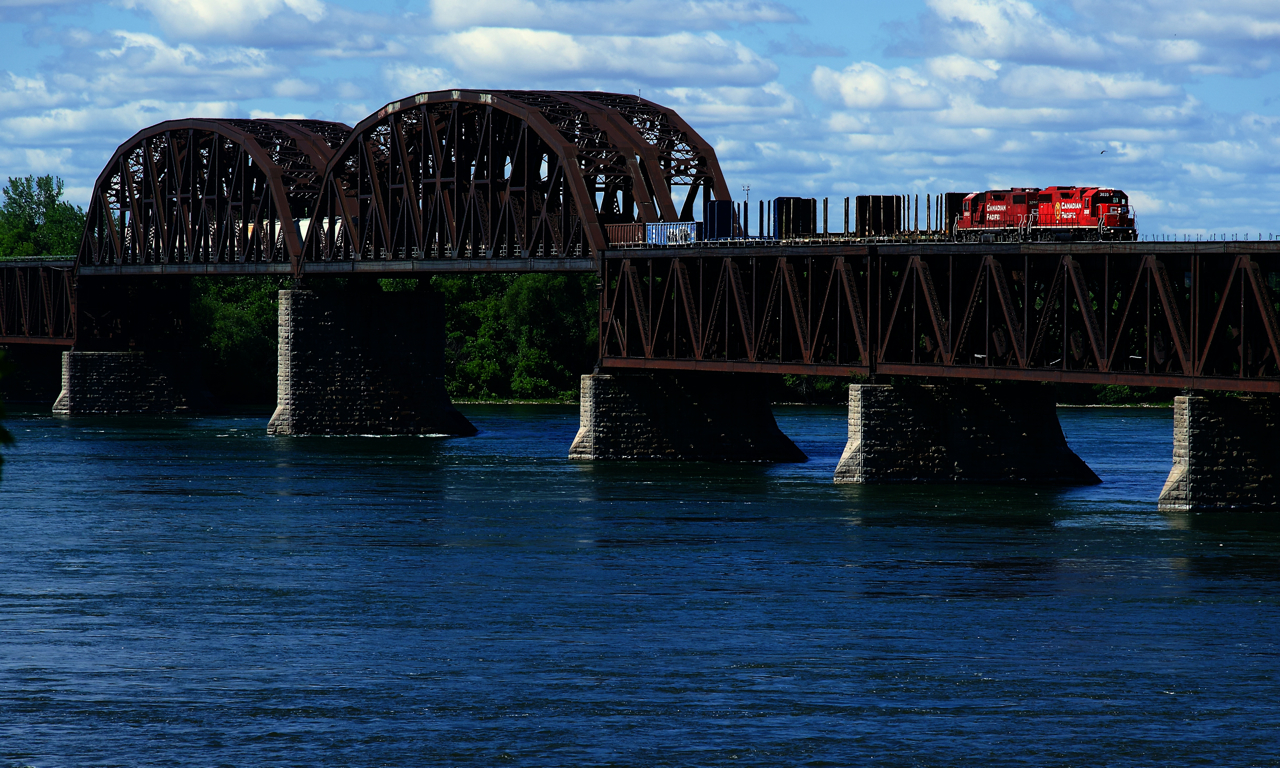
1262 524
1005 506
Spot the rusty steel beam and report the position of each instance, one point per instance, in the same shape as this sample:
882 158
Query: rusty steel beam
955 372
260 268
400 267
38 340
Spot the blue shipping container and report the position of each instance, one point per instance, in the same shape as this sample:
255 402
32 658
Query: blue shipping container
673 233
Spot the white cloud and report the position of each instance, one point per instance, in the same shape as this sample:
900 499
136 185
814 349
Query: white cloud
22 93
723 106
863 85
133 65
145 54
1047 85
1012 30
64 125
349 113
38 161
260 114
507 55
956 67
636 17
294 88
408 79
308 27
225 18
1239 20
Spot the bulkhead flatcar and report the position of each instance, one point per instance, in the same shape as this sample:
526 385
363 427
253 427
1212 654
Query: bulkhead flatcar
1054 213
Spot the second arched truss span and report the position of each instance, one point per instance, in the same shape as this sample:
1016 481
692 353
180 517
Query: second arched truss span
507 175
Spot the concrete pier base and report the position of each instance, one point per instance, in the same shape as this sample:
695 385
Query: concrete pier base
1003 432
119 383
362 363
1226 454
678 416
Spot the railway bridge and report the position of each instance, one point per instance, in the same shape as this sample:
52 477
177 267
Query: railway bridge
949 345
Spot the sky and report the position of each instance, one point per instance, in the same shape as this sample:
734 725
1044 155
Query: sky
1177 102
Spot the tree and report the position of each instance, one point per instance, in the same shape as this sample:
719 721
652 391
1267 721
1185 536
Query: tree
36 221
235 320
527 336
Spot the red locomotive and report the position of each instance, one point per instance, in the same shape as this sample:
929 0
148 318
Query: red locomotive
1054 213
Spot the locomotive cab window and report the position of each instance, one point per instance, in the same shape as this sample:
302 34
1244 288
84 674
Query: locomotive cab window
997 197
1046 198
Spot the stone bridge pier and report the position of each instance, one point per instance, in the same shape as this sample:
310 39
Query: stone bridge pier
902 433
133 352
689 415
1226 453
363 362
958 431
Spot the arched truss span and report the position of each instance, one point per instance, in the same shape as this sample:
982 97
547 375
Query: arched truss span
507 175
203 192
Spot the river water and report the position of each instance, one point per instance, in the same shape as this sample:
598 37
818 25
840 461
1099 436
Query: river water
193 592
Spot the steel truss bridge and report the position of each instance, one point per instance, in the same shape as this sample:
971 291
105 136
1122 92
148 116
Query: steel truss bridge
1188 315
462 181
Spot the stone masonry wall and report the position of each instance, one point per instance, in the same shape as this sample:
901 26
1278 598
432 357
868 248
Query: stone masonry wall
1226 453
118 383
678 416
363 363
957 432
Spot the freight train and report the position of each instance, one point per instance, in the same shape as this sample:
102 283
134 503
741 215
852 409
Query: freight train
998 215
1053 213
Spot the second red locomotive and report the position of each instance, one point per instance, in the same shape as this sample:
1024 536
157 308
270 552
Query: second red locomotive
1054 213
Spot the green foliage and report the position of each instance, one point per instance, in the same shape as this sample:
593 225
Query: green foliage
5 437
526 336
1111 394
235 320
814 389
395 284
36 221
1114 394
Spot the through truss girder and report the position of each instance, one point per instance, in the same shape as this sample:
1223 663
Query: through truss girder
1163 316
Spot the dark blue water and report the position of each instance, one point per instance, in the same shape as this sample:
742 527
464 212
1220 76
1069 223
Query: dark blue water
193 592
